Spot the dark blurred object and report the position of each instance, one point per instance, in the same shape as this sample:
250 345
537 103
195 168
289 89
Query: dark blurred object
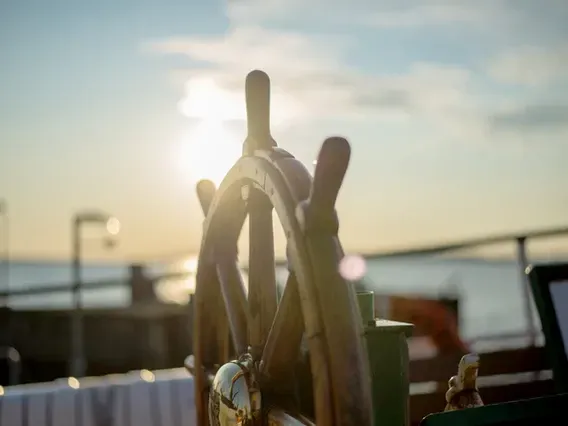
541 411
5 330
141 287
10 362
436 318
10 366
549 284
148 334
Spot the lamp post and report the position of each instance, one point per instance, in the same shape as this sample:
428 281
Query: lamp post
112 227
5 238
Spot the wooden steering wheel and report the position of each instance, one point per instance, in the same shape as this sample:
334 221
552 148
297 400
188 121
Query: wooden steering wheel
317 304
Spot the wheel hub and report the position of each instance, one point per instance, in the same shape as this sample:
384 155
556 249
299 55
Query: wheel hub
234 398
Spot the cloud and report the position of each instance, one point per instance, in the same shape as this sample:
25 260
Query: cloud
531 65
421 15
311 76
314 75
532 118
496 22
380 13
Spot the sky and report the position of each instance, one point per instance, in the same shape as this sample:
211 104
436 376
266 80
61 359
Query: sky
456 111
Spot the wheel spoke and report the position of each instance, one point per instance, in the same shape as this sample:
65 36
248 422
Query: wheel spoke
283 343
223 335
262 299
206 347
234 297
209 308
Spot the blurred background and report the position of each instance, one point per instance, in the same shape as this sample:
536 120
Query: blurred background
110 112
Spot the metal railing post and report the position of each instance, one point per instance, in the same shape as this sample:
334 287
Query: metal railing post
77 367
526 290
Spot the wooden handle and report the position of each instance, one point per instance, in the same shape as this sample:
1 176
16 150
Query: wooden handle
331 167
257 89
205 193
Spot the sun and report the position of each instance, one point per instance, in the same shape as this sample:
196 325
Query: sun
209 148
205 99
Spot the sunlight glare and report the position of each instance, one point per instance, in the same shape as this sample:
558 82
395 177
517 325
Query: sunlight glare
190 265
209 151
207 101
178 290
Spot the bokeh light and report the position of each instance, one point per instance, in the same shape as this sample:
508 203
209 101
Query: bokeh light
147 376
113 226
73 383
353 267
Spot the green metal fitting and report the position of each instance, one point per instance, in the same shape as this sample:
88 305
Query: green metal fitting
366 301
387 349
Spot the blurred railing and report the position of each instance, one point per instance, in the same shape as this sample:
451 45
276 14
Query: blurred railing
35 290
522 258
520 239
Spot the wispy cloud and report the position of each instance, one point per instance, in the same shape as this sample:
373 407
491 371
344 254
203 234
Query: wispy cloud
434 14
315 76
532 117
382 13
531 65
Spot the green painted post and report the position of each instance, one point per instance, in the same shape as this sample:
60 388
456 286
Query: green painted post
366 301
388 360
